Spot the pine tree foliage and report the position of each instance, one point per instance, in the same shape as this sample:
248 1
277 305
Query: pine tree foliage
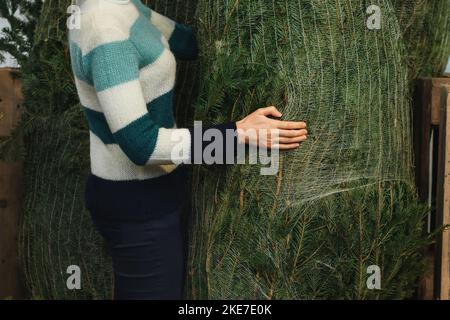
17 39
346 199
425 27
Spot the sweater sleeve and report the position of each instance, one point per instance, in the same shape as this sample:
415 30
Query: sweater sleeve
181 37
114 70
224 138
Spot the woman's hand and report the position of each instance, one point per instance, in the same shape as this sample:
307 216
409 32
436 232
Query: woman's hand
258 129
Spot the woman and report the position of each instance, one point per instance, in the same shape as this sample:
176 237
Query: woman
123 60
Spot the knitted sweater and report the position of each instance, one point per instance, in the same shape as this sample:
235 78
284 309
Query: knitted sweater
124 62
124 66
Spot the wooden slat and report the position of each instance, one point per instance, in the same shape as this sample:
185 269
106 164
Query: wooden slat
442 284
426 284
421 137
436 85
11 196
10 100
422 134
11 187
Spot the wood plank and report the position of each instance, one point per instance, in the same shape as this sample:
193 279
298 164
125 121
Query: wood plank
422 135
436 85
10 100
11 187
422 140
442 279
426 284
11 197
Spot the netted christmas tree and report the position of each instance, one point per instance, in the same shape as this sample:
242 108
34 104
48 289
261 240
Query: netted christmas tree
346 199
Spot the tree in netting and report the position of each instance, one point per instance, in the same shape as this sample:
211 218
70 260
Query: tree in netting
57 230
425 27
346 199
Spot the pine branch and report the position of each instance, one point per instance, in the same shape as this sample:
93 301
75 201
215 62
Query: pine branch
17 40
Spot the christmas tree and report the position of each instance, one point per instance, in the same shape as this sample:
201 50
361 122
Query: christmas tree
345 201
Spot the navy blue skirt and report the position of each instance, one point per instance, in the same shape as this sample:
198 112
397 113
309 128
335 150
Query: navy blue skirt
141 224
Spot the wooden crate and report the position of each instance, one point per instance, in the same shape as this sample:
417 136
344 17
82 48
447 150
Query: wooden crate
431 121
11 187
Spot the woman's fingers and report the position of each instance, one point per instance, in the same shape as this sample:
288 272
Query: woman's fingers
288 125
292 133
286 143
284 140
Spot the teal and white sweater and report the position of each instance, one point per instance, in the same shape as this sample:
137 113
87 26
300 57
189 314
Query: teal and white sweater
123 60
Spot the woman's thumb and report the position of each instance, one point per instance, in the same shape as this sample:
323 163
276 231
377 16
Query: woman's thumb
271 111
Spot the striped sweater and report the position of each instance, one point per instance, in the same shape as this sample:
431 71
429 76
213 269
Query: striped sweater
123 59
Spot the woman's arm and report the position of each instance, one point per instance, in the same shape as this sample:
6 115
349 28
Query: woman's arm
181 37
114 71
